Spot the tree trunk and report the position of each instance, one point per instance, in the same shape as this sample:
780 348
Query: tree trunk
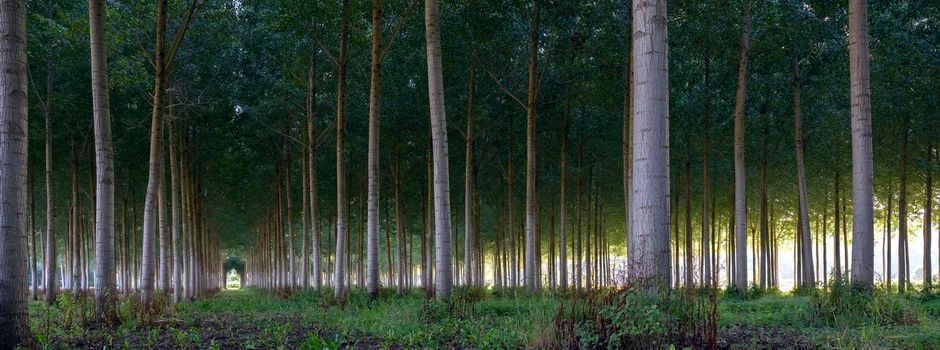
862 173
468 183
49 265
531 210
836 252
626 149
305 221
903 276
33 274
649 202
339 271
740 200
399 227
689 266
809 279
563 208
155 165
374 105
707 273
175 225
311 109
928 208
444 280
105 284
14 317
74 236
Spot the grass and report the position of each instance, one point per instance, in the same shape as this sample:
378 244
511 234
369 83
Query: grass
255 319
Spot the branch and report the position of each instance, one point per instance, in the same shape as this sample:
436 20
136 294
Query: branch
397 29
503 87
327 52
178 40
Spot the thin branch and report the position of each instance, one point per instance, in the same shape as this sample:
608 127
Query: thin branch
397 29
178 40
327 52
503 87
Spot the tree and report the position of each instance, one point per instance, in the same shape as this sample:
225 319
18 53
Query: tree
105 274
531 207
14 318
372 232
432 34
809 278
649 262
311 110
740 204
49 265
339 271
862 170
163 59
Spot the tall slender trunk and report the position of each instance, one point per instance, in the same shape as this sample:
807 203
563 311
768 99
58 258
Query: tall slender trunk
763 223
809 278
175 223
626 148
563 208
689 266
862 173
74 241
837 217
339 271
288 208
399 227
578 267
649 201
33 273
903 276
707 273
531 210
468 183
432 26
311 109
49 265
740 200
374 106
105 284
14 318
155 167
305 221
928 208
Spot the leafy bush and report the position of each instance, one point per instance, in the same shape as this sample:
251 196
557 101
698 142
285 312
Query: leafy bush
629 317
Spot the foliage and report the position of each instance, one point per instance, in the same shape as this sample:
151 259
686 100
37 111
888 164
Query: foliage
843 305
623 318
257 319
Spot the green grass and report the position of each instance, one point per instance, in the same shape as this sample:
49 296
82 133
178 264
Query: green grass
257 319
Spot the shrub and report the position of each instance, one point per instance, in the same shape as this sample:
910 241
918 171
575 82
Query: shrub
630 318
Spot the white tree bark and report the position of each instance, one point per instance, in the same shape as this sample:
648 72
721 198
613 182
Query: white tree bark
862 170
649 260
531 207
445 275
740 196
372 226
105 283
49 270
339 270
809 278
315 268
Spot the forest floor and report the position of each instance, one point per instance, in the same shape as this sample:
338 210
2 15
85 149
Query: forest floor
253 319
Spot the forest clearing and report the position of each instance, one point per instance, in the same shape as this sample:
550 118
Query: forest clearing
504 174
